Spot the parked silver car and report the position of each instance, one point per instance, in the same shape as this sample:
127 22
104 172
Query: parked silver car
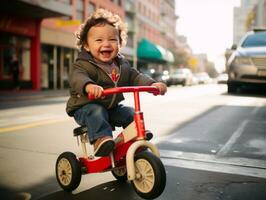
203 77
247 64
181 76
222 78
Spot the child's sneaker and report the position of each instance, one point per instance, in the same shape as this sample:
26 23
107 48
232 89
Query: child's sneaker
103 146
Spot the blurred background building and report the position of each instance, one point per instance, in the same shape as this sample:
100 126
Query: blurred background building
155 37
58 42
249 15
20 30
41 34
243 18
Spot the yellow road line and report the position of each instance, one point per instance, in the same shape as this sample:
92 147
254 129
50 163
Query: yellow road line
33 124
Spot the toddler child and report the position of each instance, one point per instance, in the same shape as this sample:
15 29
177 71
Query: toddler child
99 66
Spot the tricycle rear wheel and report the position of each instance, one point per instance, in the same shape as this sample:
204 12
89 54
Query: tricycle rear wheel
120 173
68 171
150 175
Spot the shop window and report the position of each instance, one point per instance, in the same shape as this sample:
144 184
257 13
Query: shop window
11 46
56 62
6 57
91 8
67 60
47 66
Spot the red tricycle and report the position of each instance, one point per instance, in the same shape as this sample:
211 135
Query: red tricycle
134 157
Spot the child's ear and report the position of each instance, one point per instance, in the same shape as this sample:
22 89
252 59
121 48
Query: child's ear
86 47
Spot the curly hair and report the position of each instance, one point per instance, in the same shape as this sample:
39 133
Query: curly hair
101 16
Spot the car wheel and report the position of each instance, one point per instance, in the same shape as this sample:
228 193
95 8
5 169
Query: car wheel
231 88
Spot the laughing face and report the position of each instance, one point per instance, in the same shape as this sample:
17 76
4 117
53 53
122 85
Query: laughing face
103 42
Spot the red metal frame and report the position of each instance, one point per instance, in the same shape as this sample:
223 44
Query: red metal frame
104 163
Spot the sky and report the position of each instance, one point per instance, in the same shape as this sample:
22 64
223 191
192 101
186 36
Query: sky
208 26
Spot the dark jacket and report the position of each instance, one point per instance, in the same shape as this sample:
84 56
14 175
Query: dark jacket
85 71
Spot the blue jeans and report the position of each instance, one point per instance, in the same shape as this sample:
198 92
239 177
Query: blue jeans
99 120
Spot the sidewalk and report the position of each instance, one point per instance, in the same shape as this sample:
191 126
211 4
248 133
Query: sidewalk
20 95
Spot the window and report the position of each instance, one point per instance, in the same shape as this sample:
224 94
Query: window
130 40
11 45
91 8
79 10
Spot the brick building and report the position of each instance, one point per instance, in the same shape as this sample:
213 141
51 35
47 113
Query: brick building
41 34
153 33
58 40
20 26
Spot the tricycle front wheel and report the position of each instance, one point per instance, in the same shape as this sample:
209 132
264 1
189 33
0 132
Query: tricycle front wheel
150 175
68 171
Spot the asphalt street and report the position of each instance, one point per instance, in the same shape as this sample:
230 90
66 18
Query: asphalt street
212 145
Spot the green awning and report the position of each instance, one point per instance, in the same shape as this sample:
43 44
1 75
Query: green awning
153 52
167 55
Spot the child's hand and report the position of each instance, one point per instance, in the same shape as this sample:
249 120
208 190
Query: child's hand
161 86
94 90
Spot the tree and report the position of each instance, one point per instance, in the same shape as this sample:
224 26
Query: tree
211 70
181 57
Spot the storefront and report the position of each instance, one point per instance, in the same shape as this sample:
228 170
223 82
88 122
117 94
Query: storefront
58 52
55 66
153 56
20 24
19 38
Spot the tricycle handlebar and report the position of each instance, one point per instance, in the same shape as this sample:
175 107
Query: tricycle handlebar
109 91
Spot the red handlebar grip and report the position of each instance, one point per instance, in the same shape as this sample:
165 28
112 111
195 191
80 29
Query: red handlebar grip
115 90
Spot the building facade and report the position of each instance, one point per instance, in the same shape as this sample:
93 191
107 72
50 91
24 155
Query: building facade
42 35
58 42
130 18
20 25
168 24
260 16
153 39
243 17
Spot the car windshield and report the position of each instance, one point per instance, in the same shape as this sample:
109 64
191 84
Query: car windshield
255 40
181 71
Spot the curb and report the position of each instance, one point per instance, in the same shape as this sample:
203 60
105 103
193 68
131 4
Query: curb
31 95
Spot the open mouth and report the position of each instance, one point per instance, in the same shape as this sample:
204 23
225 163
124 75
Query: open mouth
106 53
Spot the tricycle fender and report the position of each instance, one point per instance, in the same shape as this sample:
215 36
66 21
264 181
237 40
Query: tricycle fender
131 173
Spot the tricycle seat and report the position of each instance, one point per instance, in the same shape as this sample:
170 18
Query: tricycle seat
80 130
